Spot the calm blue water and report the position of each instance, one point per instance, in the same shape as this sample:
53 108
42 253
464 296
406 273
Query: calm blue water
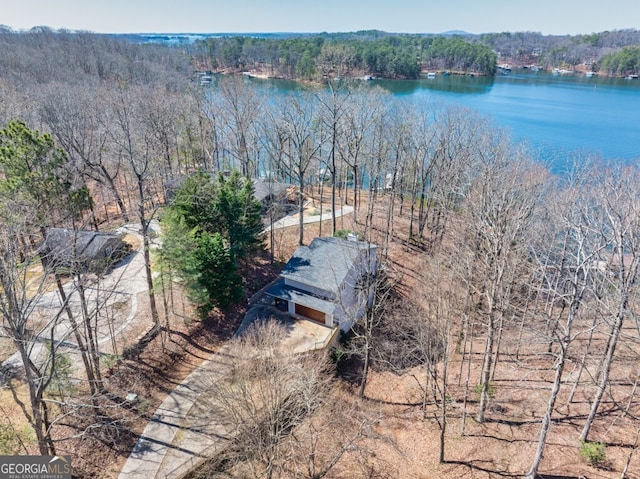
557 115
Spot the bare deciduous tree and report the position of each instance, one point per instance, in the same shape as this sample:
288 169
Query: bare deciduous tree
75 119
297 145
618 267
133 141
36 332
564 257
497 222
264 397
241 106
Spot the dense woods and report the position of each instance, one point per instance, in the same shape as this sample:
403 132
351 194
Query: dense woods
509 294
366 53
623 62
380 54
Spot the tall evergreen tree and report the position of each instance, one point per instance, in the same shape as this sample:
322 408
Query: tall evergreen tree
208 227
240 214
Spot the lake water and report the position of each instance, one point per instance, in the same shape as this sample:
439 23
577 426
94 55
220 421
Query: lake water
556 114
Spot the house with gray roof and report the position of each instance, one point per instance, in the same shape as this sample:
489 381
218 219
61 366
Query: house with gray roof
83 250
329 281
273 196
267 191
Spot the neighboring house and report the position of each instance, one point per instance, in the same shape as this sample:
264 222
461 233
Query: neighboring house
330 282
269 192
266 191
85 250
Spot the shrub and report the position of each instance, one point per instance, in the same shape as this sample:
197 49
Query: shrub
594 453
491 390
13 439
337 355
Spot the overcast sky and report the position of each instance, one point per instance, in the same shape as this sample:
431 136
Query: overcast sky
408 16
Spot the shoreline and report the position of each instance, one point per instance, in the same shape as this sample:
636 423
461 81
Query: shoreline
425 74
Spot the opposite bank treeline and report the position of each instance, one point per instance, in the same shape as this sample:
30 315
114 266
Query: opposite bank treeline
385 55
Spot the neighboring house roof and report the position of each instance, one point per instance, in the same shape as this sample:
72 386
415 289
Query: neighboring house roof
264 188
324 263
65 246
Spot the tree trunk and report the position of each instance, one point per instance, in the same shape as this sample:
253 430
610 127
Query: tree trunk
149 275
546 420
301 210
116 194
333 179
604 379
146 250
486 369
583 360
91 340
365 368
443 401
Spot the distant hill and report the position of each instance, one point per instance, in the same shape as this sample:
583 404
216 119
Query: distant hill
462 33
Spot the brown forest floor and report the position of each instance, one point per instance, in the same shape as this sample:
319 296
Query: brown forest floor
503 446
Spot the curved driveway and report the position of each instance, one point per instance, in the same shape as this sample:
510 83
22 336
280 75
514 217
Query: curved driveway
181 433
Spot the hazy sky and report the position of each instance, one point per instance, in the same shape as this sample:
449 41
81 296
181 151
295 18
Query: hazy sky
410 16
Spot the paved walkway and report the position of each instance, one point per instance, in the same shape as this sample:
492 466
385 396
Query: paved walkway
294 220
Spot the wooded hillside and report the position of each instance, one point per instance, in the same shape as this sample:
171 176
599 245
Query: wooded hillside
506 311
315 57
386 55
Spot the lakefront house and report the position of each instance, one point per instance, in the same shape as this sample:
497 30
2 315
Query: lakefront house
330 281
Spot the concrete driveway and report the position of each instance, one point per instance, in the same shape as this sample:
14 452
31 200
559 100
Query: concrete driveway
182 432
120 287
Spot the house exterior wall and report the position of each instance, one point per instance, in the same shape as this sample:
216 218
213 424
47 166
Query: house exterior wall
354 294
109 248
354 299
341 319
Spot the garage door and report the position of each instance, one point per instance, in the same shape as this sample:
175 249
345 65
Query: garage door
310 313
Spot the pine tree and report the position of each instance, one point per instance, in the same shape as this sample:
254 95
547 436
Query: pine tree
207 228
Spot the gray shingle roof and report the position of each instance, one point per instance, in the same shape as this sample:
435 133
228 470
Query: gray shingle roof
263 189
324 263
64 245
